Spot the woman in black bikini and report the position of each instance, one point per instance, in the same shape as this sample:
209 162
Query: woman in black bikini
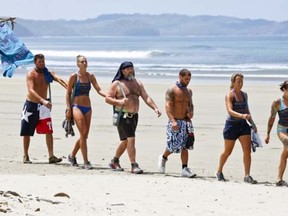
79 107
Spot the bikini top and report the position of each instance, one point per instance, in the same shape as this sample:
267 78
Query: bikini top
283 113
82 88
239 106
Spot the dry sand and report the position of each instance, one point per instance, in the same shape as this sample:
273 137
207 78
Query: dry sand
104 192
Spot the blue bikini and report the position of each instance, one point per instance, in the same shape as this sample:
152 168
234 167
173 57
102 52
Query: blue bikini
80 90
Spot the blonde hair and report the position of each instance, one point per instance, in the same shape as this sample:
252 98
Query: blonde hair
80 56
233 78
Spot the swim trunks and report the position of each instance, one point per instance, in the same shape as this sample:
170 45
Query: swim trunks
127 125
177 140
31 119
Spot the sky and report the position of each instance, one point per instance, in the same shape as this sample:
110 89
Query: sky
275 10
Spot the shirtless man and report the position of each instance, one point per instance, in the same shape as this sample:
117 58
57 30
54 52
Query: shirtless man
124 94
37 102
179 109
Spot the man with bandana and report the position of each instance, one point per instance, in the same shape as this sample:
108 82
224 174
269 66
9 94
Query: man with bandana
124 94
38 105
179 109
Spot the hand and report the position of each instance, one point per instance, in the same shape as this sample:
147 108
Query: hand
158 112
123 101
254 128
68 114
47 104
175 126
190 114
246 116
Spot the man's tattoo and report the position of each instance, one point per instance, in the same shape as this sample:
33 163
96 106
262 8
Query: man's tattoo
169 95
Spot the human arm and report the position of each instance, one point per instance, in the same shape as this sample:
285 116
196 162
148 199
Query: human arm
274 108
70 85
248 111
96 85
148 100
190 108
58 79
169 108
111 96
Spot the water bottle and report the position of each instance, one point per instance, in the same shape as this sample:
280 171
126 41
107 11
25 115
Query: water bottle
115 119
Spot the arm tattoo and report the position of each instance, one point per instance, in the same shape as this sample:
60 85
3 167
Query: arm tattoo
169 95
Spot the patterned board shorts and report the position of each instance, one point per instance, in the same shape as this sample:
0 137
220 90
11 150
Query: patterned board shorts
176 140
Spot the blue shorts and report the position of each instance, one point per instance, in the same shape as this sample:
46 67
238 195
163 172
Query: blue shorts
234 129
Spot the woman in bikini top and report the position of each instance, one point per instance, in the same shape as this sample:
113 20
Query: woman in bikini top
79 107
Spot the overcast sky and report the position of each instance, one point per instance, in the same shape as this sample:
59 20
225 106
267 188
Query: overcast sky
82 9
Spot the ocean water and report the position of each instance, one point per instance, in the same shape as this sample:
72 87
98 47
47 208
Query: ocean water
157 58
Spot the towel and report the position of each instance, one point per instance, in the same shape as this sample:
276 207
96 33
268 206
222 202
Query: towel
13 51
255 140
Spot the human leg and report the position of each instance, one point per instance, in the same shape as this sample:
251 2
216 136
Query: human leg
246 148
282 165
26 143
83 125
49 142
228 148
162 159
245 141
184 157
186 172
284 155
29 119
115 163
131 150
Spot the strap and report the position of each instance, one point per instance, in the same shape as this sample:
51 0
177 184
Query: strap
50 97
124 95
73 92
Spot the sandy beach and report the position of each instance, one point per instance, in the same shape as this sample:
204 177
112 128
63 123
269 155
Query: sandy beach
103 192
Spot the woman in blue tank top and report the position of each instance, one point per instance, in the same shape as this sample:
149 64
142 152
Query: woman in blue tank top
79 107
280 106
236 127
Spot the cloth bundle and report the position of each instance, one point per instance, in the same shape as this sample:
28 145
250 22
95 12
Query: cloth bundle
68 127
255 140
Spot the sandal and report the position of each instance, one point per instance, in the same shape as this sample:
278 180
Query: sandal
53 160
281 183
26 159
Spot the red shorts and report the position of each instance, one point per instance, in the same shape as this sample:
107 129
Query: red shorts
44 125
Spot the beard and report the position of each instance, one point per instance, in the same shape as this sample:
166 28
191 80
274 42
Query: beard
130 77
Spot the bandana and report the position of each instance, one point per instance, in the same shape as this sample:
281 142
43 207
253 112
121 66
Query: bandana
180 85
119 75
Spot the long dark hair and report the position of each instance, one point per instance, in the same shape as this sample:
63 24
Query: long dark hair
284 85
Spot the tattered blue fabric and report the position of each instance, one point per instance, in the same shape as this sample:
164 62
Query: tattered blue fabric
12 50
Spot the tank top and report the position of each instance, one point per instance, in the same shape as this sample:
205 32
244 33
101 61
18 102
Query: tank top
240 107
82 88
283 114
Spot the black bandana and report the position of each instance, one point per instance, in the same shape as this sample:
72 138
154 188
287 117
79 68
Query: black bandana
119 75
